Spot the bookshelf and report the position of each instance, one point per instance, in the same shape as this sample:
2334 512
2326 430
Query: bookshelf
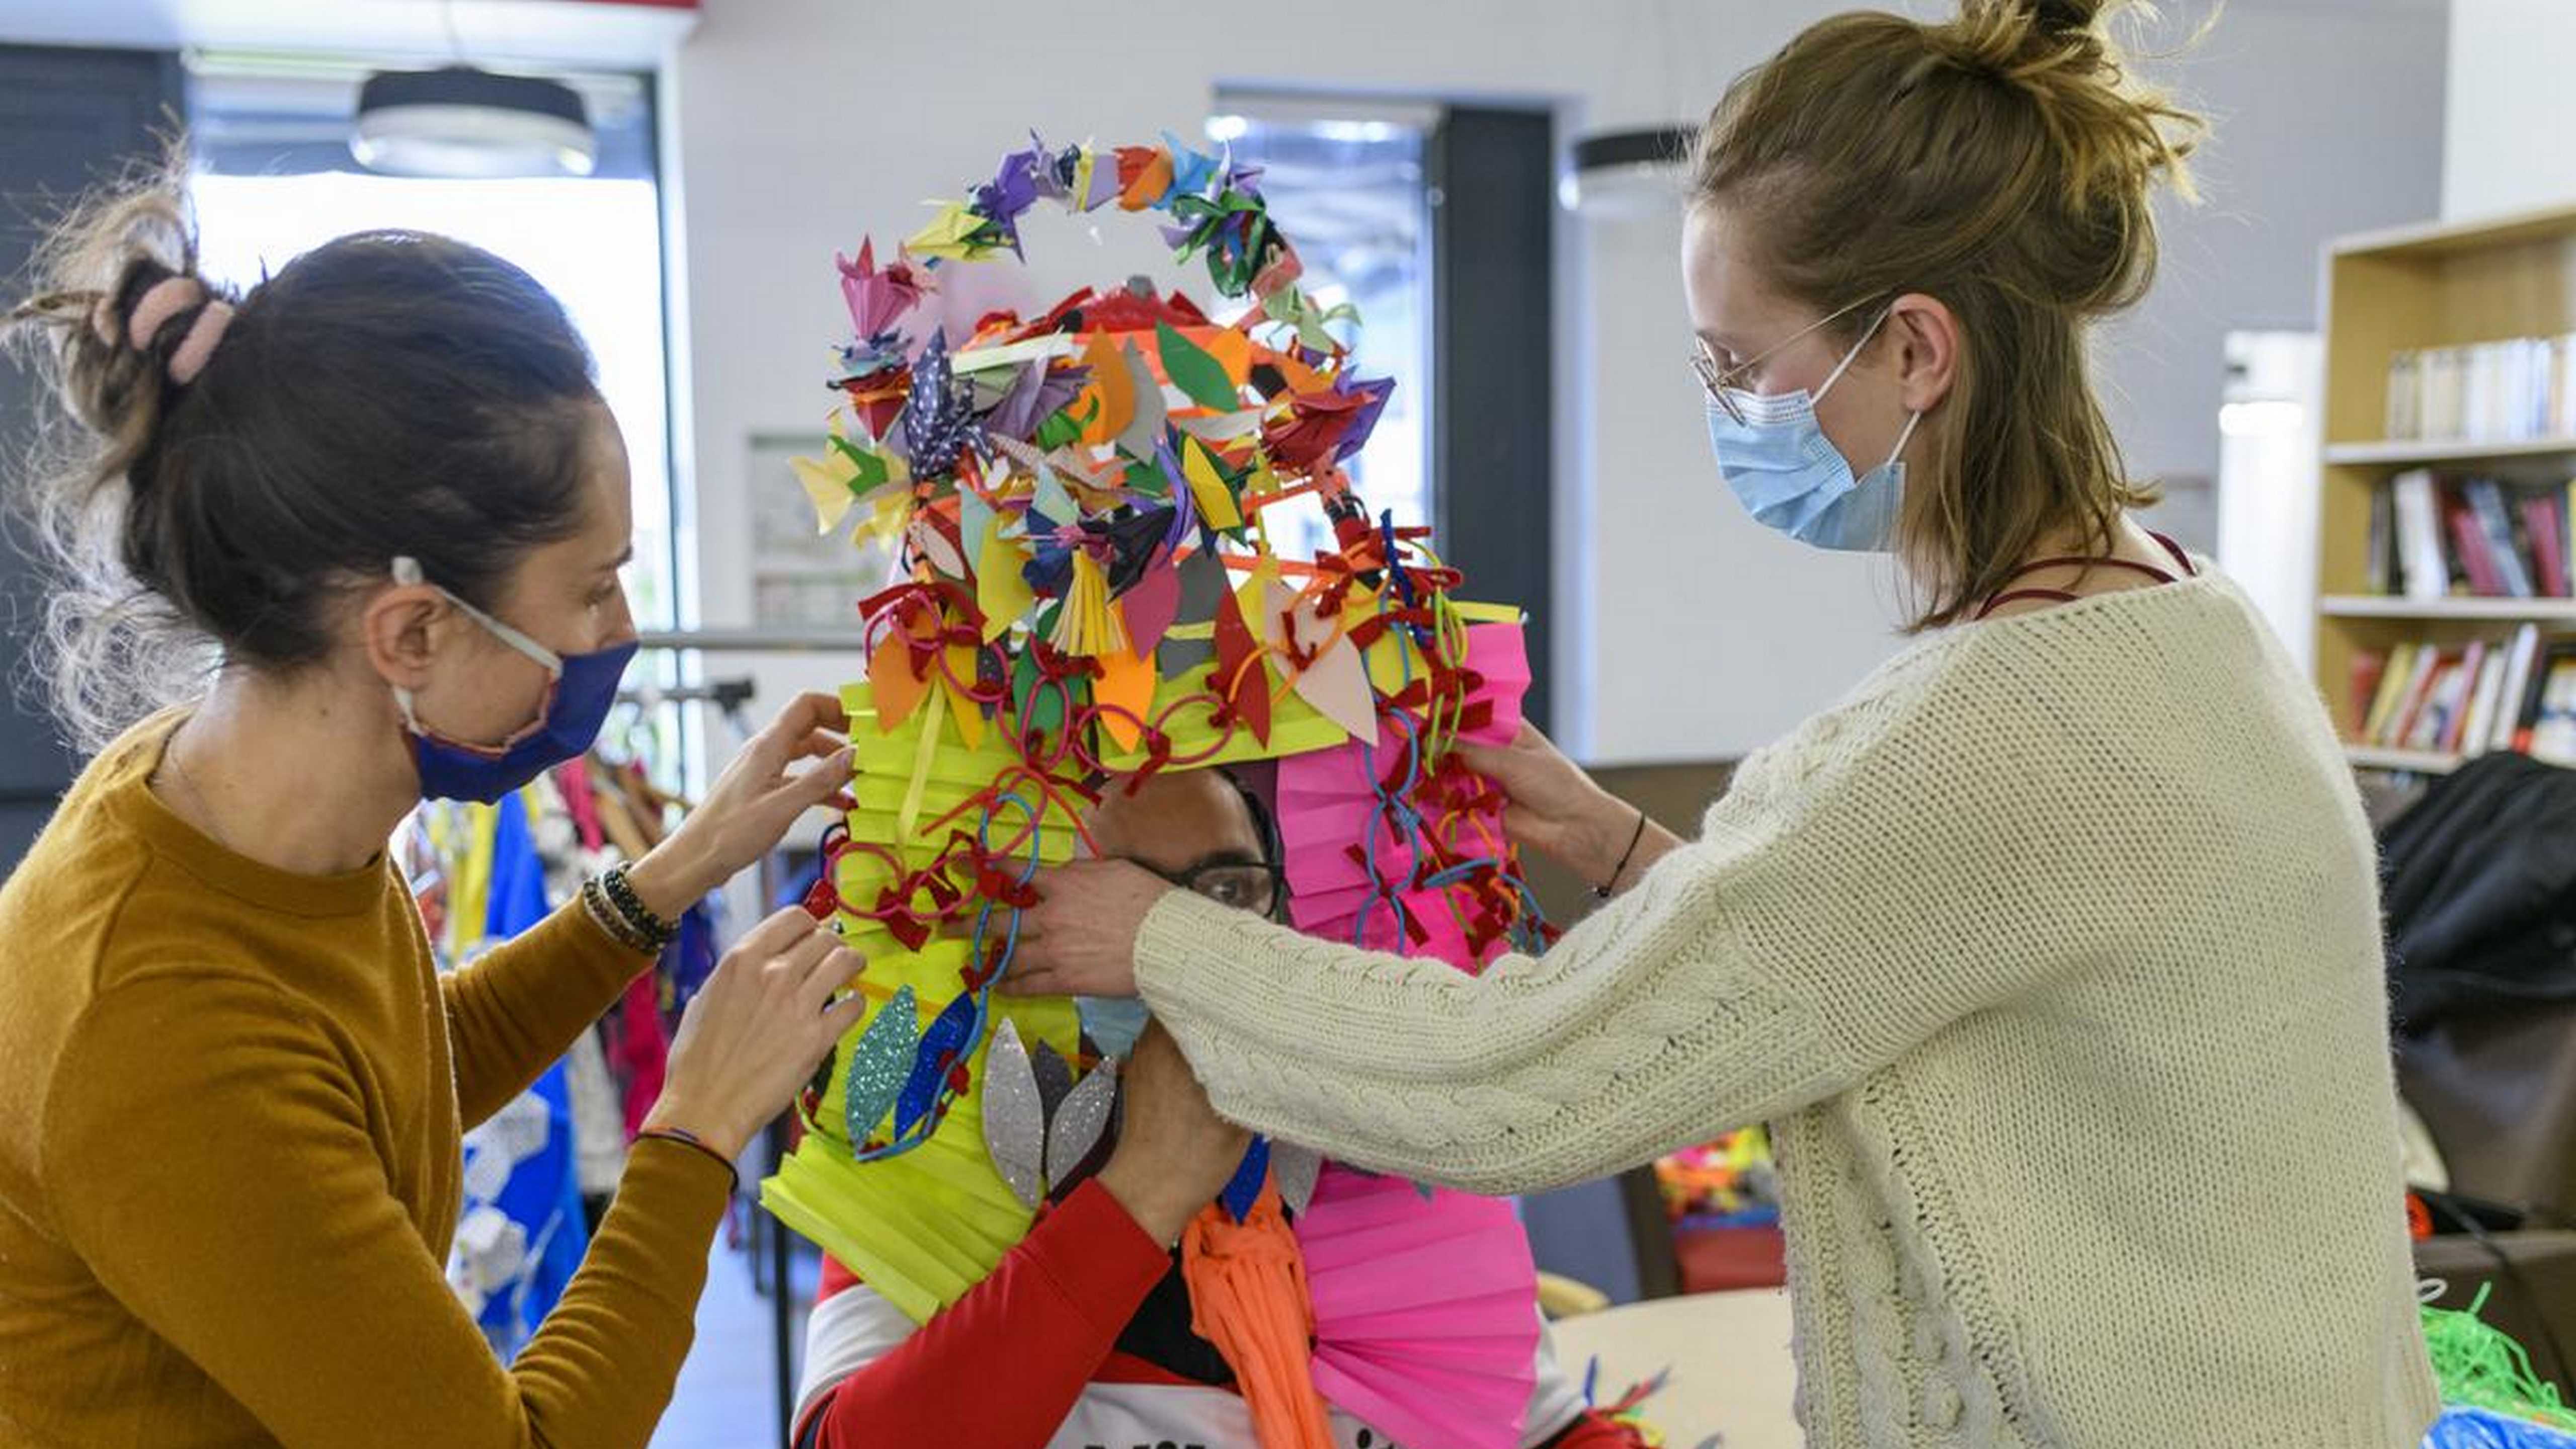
2382 606
2435 286
2438 452
2420 762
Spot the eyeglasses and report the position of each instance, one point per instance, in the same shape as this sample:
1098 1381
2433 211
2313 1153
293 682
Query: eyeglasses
1244 885
1720 381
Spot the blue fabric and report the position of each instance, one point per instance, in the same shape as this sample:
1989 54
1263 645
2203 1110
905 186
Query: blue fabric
543 1194
2483 1429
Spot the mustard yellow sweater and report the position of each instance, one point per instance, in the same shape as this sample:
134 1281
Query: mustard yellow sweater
230 1107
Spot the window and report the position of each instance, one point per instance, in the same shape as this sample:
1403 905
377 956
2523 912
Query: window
1345 181
272 177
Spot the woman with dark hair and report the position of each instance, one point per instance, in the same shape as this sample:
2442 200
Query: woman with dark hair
360 530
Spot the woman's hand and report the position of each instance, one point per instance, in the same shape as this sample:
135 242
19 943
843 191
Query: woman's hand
1555 807
756 1031
1175 1154
751 807
1080 938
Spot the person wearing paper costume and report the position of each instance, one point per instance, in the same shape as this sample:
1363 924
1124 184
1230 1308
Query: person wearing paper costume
2070 900
1085 1333
380 491
1087 599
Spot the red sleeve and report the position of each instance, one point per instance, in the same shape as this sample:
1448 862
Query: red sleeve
1050 1313
1593 1431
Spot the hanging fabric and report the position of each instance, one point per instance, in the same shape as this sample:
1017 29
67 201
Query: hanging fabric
522 1233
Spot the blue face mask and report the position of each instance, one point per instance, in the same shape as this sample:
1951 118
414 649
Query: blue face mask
581 690
1789 475
1112 1022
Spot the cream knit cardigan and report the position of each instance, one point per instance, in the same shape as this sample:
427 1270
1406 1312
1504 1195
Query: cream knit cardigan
2052 956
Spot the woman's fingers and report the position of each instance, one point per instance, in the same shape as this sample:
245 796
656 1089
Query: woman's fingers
819 744
775 934
837 1019
802 956
778 808
808 712
835 969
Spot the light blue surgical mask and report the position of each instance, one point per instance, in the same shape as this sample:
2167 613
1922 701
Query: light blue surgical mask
1112 1022
1788 474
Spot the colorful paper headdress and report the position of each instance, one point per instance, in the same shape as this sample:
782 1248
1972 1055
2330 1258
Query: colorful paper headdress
1088 591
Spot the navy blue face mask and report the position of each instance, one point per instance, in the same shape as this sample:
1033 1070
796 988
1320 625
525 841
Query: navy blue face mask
580 690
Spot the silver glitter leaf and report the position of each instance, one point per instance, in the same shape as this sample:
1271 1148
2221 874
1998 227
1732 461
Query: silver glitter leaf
1014 1116
880 1063
1080 1121
1055 1077
1294 1169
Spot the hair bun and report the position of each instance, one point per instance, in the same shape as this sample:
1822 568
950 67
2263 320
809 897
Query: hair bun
2114 136
2065 17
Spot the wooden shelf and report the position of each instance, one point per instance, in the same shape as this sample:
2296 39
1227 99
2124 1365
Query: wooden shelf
2422 762
2445 450
2445 284
2433 239
2383 606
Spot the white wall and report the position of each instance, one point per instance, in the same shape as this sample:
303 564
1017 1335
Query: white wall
803 123
2511 113
2328 119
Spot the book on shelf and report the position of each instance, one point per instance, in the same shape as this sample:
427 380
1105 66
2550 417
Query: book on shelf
2466 699
2520 660
2509 390
2542 516
2548 731
2434 536
2385 570
2505 552
2424 561
2477 721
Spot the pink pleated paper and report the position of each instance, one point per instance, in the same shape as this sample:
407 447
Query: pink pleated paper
1327 803
1426 1316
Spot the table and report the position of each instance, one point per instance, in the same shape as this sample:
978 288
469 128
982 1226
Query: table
1732 1376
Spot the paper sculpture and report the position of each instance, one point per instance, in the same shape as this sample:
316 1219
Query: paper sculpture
1088 592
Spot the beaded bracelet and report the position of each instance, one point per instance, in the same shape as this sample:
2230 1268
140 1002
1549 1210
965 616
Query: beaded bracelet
655 932
605 916
687 1138
617 922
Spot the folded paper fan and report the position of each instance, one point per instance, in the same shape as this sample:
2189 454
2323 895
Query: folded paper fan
1426 1324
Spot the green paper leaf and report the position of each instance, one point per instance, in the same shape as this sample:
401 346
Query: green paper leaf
1042 711
871 468
1061 428
1147 478
1198 375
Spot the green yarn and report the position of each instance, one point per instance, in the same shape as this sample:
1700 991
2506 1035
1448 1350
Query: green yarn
2480 1366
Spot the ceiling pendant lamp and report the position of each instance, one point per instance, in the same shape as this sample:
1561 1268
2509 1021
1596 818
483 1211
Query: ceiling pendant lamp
1632 171
462 121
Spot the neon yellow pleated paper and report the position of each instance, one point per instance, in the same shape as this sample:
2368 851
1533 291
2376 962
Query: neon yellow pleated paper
923 1226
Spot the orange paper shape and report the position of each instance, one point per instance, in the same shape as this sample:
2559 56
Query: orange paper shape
1126 683
962 708
891 681
1112 384
1147 174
